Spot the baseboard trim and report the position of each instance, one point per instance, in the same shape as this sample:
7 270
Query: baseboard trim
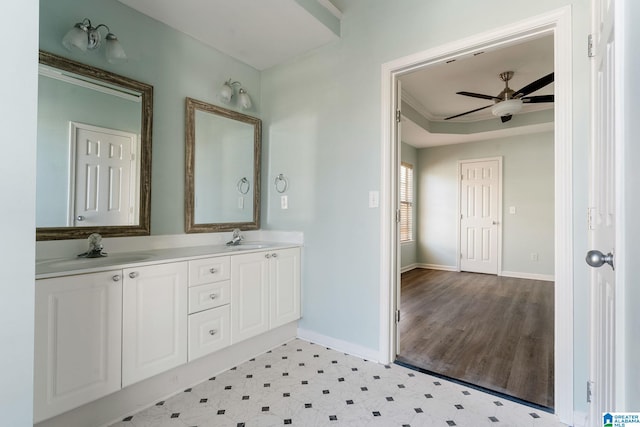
580 419
408 268
532 276
438 267
339 345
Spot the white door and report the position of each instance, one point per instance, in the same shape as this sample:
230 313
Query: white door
103 185
154 320
602 213
480 187
284 293
77 341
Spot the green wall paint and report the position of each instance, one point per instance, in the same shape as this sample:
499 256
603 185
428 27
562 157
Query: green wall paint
528 185
322 120
175 64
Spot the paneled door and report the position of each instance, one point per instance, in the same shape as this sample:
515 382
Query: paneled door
480 206
603 213
103 186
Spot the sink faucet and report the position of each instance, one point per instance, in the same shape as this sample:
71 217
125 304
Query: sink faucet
95 247
236 238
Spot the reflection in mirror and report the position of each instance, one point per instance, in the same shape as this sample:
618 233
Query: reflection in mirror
93 152
222 185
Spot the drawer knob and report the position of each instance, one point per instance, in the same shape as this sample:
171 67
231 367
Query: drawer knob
133 274
213 296
274 255
116 278
212 332
267 256
213 270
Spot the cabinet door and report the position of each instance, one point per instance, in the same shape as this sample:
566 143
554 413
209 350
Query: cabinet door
78 323
154 330
208 331
249 295
284 278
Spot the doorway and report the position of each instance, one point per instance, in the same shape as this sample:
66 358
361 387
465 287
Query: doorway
557 23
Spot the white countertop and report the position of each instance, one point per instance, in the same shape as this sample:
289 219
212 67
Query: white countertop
54 267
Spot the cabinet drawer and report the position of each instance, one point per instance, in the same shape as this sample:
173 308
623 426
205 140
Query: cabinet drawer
209 331
208 296
208 270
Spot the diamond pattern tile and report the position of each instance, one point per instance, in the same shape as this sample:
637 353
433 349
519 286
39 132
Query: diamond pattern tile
304 384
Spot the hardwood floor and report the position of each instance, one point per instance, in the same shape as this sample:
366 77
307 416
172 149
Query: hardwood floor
491 331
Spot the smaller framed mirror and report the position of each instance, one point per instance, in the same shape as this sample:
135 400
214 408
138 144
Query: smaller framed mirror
222 170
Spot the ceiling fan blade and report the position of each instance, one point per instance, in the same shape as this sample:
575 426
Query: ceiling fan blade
537 99
478 95
505 119
468 112
534 86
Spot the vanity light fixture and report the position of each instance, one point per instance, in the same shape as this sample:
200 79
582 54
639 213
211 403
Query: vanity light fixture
227 92
84 36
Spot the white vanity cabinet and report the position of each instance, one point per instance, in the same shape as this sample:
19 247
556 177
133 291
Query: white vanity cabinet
154 320
265 291
209 312
78 321
97 332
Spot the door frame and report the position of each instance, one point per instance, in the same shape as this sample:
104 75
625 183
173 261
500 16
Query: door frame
499 220
558 23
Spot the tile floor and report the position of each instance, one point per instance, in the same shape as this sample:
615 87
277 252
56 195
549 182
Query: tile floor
304 384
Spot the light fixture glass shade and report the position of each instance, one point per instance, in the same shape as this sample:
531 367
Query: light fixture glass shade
114 51
76 38
226 92
243 99
507 108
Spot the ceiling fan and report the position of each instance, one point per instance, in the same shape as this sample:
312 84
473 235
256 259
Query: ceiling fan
509 102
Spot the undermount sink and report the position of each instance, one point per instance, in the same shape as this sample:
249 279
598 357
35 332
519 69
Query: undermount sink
90 262
247 247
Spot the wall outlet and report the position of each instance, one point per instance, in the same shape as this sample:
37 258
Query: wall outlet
512 210
284 202
534 256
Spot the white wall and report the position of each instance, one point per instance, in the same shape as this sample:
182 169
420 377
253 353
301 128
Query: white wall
322 129
408 250
18 115
528 163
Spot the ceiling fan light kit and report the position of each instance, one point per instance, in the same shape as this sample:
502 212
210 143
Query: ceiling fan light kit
507 108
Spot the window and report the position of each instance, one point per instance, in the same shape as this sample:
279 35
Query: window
406 202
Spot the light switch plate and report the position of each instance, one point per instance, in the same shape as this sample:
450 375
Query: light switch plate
512 210
284 202
374 199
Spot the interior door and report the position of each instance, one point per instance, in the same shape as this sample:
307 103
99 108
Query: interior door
104 181
602 214
480 186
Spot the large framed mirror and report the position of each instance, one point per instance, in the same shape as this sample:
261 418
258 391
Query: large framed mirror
93 152
222 180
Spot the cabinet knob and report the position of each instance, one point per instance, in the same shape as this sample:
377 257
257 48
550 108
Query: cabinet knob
274 255
133 274
212 332
213 296
116 278
213 270
267 256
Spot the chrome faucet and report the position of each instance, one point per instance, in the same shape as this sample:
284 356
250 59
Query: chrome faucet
95 247
236 238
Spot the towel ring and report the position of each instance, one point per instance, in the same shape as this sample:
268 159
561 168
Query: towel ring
243 186
282 183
